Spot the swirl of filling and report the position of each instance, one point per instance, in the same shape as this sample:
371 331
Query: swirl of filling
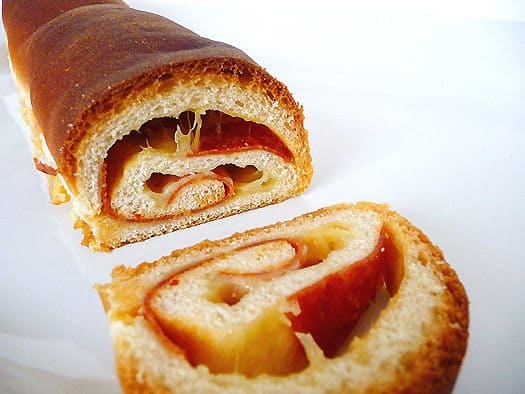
147 176
272 306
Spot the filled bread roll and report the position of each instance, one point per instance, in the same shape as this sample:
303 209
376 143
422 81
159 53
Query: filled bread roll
347 299
146 126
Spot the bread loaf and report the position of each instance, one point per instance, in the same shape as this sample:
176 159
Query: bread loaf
347 299
146 126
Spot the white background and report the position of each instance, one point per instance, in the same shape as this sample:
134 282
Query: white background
420 106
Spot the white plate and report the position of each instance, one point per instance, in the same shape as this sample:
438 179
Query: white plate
425 113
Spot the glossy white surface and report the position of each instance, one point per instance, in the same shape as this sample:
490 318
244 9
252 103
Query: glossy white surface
421 111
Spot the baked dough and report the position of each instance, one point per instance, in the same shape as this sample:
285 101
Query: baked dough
281 309
146 126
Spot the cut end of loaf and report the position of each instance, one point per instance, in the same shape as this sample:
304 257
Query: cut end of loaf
415 342
281 177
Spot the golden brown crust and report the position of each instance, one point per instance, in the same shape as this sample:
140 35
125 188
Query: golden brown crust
434 367
127 371
76 80
23 17
431 367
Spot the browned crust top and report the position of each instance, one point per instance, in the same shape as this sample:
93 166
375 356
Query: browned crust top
80 66
23 17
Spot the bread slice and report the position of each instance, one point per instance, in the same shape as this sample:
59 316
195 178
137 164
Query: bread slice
146 126
285 308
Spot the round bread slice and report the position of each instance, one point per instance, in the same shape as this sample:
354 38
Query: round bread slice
347 299
146 126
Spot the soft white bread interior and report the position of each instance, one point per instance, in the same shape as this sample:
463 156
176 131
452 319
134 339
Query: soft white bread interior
229 315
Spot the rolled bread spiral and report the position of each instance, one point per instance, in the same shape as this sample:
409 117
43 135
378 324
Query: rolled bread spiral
290 308
146 126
